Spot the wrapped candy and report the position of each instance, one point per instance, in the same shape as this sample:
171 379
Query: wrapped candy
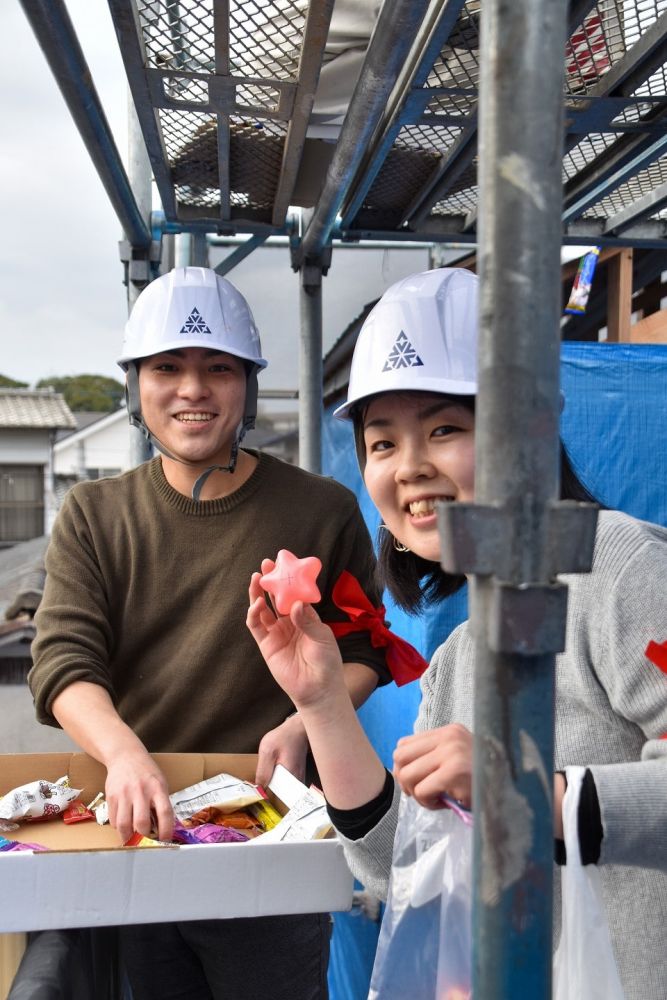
292 579
207 833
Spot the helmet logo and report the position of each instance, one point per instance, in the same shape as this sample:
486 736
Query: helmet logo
195 323
402 355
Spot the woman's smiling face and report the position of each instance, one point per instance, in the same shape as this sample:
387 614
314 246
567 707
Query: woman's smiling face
420 448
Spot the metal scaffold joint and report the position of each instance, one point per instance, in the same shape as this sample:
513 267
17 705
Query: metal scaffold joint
140 264
526 616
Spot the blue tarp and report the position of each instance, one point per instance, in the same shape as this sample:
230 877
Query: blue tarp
614 427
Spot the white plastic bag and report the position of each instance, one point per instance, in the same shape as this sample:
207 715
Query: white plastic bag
424 944
584 963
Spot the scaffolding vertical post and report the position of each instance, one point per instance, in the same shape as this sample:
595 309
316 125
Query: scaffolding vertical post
199 250
140 177
517 463
310 367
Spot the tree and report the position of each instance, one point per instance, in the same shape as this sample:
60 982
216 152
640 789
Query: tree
10 383
86 392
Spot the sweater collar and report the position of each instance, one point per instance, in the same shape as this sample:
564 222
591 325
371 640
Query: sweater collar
206 508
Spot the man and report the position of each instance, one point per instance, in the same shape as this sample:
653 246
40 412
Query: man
141 641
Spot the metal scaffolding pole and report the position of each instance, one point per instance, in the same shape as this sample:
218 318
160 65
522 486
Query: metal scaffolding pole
310 369
139 171
516 537
392 39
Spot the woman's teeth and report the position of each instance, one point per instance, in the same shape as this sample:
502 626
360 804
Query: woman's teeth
422 507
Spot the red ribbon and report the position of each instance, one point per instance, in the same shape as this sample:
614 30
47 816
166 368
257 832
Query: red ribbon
403 660
657 653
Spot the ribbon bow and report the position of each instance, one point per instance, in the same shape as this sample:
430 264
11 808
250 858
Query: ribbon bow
403 660
657 653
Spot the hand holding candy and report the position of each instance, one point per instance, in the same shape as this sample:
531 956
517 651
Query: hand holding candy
292 579
300 651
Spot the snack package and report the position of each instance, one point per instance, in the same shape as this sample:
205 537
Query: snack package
139 840
15 845
308 819
76 812
583 280
207 833
37 800
266 814
223 791
240 819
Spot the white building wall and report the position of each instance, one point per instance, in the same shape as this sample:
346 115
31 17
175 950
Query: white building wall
20 446
103 447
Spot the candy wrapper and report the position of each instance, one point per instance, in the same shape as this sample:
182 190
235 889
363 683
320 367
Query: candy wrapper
583 281
223 791
37 800
240 819
99 807
76 812
139 840
15 845
308 819
207 833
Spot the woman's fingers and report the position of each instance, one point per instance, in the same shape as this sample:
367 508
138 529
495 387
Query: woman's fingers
428 764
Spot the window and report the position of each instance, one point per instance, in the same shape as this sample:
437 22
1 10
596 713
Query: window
21 503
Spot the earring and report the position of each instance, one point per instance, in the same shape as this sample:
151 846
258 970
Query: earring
399 546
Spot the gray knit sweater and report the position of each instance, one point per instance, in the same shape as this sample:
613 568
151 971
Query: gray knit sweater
611 715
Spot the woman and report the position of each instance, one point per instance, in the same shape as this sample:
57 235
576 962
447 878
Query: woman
411 399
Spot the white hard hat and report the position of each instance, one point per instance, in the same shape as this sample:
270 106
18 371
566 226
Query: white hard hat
191 307
421 335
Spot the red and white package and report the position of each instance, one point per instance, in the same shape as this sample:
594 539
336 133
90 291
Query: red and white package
37 800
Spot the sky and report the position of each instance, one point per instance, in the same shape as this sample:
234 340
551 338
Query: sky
62 301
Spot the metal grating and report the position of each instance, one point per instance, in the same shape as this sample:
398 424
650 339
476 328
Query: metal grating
632 111
224 90
216 84
637 187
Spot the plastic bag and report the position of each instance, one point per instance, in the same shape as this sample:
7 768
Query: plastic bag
584 963
424 944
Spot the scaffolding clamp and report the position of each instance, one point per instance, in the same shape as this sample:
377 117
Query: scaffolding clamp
140 264
525 617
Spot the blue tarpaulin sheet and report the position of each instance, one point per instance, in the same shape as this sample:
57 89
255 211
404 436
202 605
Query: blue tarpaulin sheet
615 429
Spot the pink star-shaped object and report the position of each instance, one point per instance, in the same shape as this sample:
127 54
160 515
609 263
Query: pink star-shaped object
292 579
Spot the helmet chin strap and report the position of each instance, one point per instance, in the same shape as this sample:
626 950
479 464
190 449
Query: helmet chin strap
136 419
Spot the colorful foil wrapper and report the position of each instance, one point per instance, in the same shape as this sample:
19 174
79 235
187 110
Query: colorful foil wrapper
139 840
7 846
77 812
583 280
208 833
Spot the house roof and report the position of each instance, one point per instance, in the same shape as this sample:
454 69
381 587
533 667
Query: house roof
21 576
34 408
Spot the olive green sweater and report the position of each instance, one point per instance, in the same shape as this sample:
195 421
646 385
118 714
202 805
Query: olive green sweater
147 594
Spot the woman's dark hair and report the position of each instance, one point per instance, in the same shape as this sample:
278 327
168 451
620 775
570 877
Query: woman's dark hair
414 582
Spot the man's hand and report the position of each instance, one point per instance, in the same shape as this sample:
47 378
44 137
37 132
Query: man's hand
430 763
287 744
138 796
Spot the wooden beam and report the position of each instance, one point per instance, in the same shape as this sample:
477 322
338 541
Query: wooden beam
619 296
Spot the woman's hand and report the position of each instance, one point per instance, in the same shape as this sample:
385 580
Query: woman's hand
300 651
438 761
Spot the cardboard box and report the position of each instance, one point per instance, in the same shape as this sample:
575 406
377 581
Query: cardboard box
89 880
